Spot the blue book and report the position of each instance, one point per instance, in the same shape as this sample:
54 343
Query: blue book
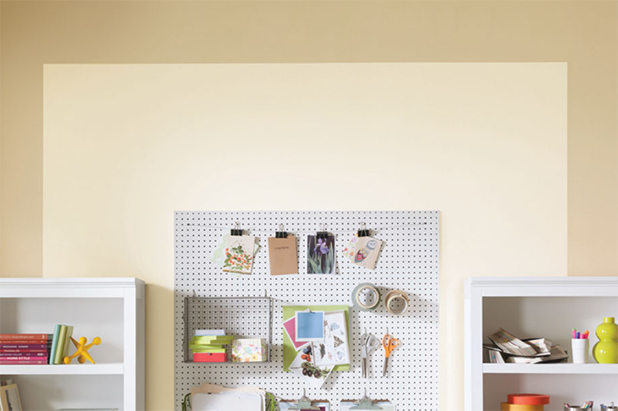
54 344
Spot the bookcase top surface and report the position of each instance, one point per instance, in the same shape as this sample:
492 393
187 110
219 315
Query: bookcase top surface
546 280
72 282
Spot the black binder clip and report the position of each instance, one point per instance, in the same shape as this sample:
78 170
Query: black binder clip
281 233
322 234
363 232
236 231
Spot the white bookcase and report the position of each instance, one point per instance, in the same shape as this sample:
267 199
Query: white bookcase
532 307
109 308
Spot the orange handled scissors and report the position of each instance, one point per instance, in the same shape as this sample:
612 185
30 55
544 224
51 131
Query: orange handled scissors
389 343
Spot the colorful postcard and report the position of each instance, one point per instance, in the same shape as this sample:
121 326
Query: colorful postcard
310 326
366 252
310 374
289 326
350 249
334 350
320 255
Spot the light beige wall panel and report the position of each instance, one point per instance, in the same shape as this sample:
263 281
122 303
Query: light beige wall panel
126 145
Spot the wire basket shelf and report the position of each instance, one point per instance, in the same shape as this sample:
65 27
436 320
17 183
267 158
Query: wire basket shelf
242 317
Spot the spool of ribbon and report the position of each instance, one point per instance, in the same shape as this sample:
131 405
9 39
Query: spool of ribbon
397 302
366 297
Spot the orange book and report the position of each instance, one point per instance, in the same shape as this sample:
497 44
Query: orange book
24 337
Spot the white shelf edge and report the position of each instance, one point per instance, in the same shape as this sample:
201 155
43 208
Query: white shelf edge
71 369
568 368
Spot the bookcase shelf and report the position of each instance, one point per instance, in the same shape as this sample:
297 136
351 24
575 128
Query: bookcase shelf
537 307
560 368
70 369
110 308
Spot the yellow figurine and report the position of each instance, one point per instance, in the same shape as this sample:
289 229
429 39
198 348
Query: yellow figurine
82 350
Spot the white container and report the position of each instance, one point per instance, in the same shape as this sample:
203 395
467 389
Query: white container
580 348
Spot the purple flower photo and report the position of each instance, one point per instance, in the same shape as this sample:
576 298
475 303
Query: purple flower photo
321 255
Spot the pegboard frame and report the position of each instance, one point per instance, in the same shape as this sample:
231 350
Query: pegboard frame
409 261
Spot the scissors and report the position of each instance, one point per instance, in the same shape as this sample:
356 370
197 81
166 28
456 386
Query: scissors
389 343
368 344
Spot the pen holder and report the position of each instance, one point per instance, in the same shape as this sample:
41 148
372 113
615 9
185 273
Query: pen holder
572 407
580 348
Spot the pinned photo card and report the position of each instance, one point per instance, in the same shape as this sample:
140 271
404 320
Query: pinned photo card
309 373
320 254
282 255
334 350
310 326
367 252
290 342
289 326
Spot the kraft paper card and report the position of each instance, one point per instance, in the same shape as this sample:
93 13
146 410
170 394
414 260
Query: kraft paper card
283 255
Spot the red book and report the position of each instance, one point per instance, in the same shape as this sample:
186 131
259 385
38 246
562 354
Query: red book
25 342
23 346
23 337
209 357
7 355
3 360
15 362
28 351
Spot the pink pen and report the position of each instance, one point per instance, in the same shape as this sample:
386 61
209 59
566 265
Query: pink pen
573 333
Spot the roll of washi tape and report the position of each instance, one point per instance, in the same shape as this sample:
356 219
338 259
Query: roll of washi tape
397 302
366 297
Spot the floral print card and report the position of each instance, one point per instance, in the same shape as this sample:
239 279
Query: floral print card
320 255
236 254
350 249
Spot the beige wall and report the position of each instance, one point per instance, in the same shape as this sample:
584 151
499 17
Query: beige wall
127 145
580 33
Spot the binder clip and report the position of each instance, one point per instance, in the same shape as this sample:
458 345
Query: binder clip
236 231
323 233
366 403
304 403
363 232
281 233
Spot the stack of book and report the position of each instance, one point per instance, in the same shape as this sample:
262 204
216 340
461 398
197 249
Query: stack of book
24 348
209 345
507 348
60 343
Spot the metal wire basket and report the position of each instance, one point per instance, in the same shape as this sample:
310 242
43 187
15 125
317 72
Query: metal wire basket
242 317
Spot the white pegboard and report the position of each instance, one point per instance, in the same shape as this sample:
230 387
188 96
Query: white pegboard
409 262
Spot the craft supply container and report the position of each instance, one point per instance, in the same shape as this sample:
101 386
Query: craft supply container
580 348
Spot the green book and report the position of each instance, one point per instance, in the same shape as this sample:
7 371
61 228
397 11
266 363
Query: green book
67 342
54 343
212 339
60 345
193 346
